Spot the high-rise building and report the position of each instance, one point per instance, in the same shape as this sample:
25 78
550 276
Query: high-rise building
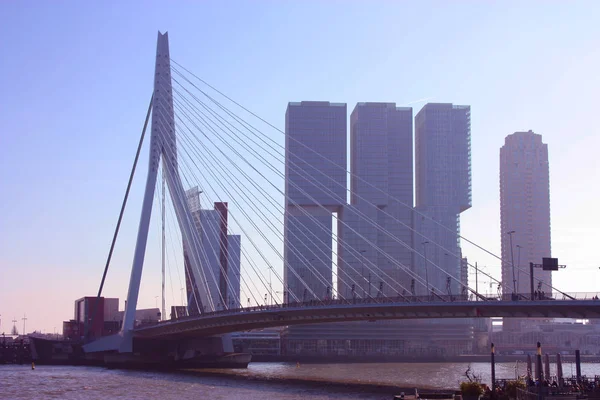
371 229
443 191
379 217
233 262
524 210
219 259
464 271
315 188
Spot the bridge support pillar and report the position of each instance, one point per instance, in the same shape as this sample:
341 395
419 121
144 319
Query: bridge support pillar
185 349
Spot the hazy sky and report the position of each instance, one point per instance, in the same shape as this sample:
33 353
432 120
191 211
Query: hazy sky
76 79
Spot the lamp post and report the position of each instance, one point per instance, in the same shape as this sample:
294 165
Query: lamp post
270 286
493 354
426 274
512 256
539 370
362 272
519 247
282 293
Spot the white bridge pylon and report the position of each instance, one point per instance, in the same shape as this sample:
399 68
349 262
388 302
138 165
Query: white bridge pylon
163 144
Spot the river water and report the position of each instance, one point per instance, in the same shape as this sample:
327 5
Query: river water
260 381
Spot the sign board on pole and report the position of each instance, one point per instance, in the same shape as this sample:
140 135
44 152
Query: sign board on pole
550 264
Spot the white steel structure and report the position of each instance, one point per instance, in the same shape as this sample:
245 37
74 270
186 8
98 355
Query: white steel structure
162 146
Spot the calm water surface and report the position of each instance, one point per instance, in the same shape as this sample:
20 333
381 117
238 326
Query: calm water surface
53 382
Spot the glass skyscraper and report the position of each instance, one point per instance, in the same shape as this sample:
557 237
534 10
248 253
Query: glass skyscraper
524 210
443 188
315 188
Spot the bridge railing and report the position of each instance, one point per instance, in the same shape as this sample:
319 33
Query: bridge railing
541 296
432 298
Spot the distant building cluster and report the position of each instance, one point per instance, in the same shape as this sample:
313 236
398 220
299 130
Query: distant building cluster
219 258
386 243
389 227
377 227
94 317
377 217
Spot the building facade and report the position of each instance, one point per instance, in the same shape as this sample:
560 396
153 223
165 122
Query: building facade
375 239
220 259
234 247
315 188
464 274
524 211
443 192
375 252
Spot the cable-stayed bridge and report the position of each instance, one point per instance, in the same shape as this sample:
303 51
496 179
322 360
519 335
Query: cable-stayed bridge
383 308
198 141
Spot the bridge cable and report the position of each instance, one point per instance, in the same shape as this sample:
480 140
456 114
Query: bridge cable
359 212
418 212
187 217
260 159
256 186
204 251
224 154
124 203
358 177
246 190
248 236
332 162
159 200
263 161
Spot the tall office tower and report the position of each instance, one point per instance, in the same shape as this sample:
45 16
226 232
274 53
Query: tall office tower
443 186
219 258
315 188
233 261
464 273
378 220
524 210
193 295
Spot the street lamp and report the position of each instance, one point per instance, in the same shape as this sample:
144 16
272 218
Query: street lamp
512 256
519 247
362 272
426 274
270 286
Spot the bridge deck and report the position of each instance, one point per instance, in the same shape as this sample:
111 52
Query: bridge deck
305 313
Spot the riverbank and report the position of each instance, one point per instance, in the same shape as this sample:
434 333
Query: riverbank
338 386
318 359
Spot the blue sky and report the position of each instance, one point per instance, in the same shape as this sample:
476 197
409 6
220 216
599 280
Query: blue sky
76 78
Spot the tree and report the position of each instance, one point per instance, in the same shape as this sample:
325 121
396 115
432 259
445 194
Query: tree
14 331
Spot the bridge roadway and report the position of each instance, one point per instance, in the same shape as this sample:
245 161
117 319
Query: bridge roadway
244 319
